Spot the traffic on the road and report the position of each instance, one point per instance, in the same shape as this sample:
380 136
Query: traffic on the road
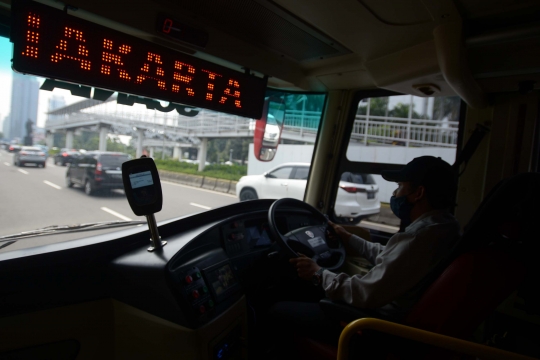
87 190
58 203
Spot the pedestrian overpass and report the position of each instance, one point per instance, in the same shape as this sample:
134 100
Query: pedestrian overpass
155 129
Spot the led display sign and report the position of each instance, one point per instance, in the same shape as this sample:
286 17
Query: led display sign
50 43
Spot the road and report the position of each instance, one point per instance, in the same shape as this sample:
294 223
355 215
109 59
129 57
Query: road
33 198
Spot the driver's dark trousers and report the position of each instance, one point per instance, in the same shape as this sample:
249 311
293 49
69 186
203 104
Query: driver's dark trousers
288 320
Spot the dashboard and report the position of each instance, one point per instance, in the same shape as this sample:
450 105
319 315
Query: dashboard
195 287
210 278
210 260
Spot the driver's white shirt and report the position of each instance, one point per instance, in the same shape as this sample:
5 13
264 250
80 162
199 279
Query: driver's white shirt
400 265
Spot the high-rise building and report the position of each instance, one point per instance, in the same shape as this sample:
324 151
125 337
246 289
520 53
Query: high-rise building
24 105
56 101
5 127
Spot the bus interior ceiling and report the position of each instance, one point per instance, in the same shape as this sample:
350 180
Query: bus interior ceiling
486 52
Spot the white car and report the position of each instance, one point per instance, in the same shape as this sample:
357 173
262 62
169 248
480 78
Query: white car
357 195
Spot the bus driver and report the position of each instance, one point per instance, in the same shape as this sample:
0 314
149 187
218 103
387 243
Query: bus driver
426 190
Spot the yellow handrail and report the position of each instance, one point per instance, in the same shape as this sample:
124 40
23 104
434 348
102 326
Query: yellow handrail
423 336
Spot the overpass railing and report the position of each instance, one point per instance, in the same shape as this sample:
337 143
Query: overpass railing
300 125
406 132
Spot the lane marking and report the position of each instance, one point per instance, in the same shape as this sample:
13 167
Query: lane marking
201 206
7 164
198 188
112 212
22 171
51 184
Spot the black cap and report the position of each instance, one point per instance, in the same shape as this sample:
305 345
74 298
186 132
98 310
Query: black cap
424 170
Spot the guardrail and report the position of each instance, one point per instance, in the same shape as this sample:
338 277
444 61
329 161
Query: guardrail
209 183
405 132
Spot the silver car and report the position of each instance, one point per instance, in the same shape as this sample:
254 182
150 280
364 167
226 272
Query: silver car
30 155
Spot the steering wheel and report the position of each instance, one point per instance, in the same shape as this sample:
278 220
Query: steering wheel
313 241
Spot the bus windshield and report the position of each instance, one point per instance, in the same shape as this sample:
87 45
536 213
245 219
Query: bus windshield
75 176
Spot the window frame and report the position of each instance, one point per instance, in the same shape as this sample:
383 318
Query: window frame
344 164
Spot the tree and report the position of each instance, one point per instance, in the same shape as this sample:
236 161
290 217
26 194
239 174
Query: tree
88 140
402 111
240 148
377 106
219 149
446 107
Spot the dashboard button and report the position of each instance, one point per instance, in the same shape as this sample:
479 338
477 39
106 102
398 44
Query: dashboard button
210 304
189 279
195 294
202 309
204 289
197 275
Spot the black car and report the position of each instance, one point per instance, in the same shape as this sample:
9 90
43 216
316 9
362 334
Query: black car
97 170
66 156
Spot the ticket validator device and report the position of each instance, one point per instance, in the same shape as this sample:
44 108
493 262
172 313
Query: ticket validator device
143 191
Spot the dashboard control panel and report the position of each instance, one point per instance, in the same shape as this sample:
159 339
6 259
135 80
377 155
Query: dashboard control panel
241 237
195 291
234 238
206 288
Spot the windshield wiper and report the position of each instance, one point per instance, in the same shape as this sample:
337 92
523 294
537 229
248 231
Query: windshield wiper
60 229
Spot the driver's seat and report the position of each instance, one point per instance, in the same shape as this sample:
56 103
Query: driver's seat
496 252
455 304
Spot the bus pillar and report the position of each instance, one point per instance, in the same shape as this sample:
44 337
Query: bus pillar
201 156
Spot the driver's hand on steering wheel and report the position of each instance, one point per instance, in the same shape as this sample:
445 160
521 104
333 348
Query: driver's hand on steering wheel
305 267
343 234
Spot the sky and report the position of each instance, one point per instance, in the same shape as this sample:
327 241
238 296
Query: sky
5 77
6 51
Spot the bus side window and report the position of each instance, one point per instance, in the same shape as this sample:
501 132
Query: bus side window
392 130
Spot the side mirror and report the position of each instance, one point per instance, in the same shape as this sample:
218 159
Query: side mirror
268 129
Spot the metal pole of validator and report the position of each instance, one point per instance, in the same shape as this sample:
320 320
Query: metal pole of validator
155 238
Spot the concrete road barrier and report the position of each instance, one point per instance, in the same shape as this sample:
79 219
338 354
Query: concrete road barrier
183 178
166 175
186 179
209 183
222 185
232 188
194 180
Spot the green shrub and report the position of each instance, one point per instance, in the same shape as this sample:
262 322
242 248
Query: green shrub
227 172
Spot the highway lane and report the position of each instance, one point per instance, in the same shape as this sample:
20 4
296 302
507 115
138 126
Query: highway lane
33 198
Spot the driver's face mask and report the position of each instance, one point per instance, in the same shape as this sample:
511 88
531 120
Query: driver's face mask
401 207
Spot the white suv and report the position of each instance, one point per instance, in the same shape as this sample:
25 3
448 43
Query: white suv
357 195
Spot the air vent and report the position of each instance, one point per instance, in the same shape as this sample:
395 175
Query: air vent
265 23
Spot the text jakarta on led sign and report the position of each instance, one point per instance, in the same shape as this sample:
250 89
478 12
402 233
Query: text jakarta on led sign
50 43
